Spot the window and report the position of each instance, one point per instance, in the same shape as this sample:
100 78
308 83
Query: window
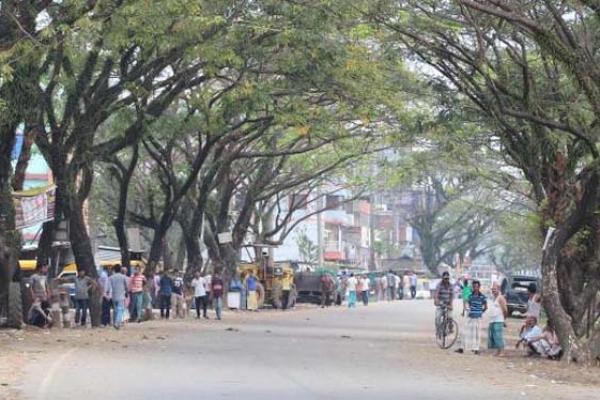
298 201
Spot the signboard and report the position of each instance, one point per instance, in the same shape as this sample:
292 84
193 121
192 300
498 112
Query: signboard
34 206
225 237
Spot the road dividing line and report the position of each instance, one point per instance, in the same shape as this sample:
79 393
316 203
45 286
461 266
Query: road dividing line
51 372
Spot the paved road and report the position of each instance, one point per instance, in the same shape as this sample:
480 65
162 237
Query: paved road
382 351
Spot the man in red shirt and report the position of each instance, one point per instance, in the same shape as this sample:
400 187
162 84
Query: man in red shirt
137 292
217 293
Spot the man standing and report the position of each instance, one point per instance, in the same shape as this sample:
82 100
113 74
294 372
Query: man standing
217 294
208 287
82 296
252 286
177 295
39 283
137 293
443 297
476 306
534 303
351 284
200 298
106 289
364 287
391 283
413 285
286 288
326 289
118 283
166 291
466 293
498 312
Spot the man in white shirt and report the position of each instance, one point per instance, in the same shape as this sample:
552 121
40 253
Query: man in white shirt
200 298
398 286
529 333
351 284
383 288
364 288
208 287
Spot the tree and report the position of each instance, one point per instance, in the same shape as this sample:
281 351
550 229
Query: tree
528 70
306 247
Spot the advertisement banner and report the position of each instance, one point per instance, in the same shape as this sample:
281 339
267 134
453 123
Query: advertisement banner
34 206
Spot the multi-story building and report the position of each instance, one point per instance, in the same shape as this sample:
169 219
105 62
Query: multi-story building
367 233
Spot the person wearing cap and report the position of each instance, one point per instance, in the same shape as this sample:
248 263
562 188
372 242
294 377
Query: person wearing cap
444 294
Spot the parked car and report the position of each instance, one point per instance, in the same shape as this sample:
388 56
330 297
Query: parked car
514 288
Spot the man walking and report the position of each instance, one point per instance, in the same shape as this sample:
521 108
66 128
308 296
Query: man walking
286 288
118 283
177 295
326 289
476 306
252 286
166 290
208 287
413 285
351 285
106 288
364 288
39 283
137 293
498 312
391 283
200 299
217 294
82 296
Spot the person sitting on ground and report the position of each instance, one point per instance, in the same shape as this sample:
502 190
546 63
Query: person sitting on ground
529 334
547 344
39 314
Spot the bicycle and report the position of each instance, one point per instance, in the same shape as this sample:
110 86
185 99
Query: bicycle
447 330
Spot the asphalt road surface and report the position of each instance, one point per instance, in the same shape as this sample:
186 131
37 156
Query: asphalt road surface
383 351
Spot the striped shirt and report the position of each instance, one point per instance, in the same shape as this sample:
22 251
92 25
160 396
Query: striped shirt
445 293
476 304
137 283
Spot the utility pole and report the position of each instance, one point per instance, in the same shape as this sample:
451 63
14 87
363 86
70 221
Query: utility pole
320 244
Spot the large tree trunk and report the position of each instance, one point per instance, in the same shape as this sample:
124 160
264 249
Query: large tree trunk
84 258
10 239
156 248
191 226
124 176
18 179
561 320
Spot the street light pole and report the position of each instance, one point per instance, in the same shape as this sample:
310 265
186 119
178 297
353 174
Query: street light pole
320 255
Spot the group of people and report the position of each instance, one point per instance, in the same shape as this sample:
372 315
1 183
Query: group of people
538 341
352 288
127 295
391 286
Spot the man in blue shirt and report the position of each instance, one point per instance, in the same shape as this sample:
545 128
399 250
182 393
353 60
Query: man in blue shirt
166 289
475 307
252 287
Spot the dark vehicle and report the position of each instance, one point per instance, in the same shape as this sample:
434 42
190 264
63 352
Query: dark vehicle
308 287
514 289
